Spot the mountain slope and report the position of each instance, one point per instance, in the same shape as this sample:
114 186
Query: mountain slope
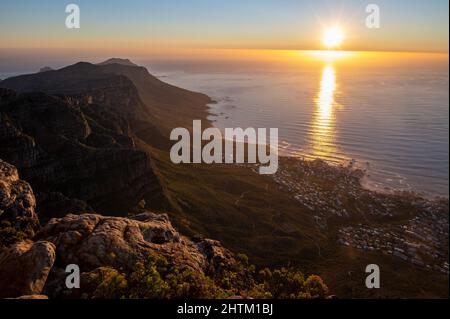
75 152
171 106
151 105
86 81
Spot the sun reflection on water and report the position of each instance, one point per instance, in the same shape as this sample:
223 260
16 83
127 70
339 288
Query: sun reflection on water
325 100
323 124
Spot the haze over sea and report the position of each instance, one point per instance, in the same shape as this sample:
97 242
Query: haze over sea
388 111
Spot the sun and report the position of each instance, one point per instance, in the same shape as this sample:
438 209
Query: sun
333 37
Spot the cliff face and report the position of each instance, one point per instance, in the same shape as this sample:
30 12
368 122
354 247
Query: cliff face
87 83
76 151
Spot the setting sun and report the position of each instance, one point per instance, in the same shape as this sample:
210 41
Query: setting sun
333 37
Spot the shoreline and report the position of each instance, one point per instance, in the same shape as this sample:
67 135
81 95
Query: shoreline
366 181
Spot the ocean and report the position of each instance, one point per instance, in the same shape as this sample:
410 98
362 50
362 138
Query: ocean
388 112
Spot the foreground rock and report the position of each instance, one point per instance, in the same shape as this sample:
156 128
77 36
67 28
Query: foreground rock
97 244
118 257
24 268
93 241
17 206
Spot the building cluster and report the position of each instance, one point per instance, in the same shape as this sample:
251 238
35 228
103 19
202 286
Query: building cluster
417 234
329 190
423 241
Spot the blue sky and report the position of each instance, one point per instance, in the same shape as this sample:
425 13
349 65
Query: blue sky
410 25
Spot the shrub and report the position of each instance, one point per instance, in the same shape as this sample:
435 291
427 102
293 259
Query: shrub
158 279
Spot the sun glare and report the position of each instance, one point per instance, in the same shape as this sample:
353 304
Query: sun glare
333 37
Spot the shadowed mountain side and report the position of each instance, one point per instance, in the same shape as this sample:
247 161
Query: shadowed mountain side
170 105
75 152
93 123
89 84
86 81
152 107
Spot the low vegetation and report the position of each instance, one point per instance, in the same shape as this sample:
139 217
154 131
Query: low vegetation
157 279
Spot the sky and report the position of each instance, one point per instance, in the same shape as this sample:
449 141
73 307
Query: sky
143 26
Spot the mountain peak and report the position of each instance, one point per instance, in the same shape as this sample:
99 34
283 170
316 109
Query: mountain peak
118 61
80 66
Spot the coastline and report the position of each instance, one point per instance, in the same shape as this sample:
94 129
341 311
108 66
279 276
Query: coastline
366 181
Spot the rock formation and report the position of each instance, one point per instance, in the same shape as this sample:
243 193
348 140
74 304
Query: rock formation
96 243
24 268
17 206
93 241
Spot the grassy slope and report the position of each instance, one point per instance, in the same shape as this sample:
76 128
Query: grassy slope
248 213
243 209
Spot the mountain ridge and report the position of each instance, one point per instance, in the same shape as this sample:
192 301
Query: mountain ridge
153 109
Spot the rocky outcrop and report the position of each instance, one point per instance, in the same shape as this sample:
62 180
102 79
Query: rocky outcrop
103 247
17 206
93 241
83 151
24 268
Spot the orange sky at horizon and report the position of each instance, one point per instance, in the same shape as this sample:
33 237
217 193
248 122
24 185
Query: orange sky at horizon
177 27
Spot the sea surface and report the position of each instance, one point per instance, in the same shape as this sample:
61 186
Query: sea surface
389 112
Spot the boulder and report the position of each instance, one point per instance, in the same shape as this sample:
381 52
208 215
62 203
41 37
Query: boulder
93 241
24 268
